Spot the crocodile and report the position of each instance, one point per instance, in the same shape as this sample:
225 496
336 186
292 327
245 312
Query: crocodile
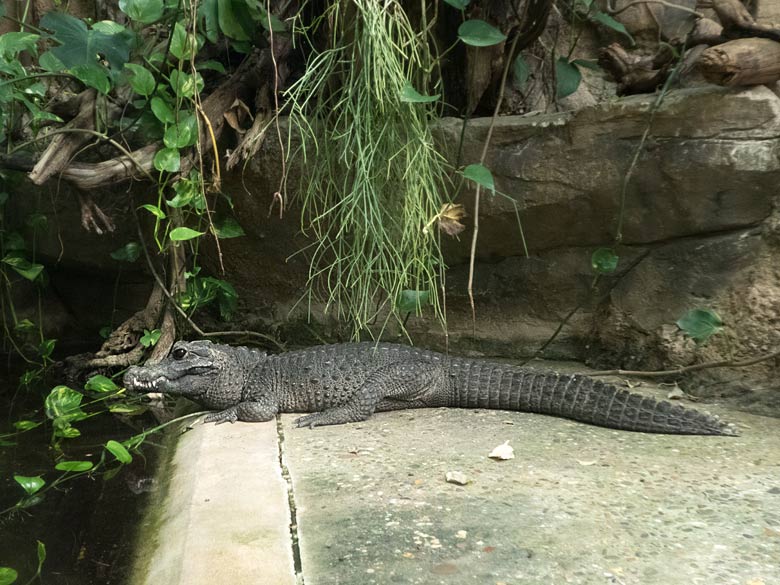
348 382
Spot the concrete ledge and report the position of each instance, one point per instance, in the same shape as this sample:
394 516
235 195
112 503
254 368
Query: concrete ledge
224 517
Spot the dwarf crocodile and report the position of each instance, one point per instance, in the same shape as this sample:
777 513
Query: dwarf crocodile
348 382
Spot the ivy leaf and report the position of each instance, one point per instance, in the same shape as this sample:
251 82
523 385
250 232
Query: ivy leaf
142 81
30 484
210 65
26 425
162 111
81 46
228 227
167 159
481 175
604 261
93 75
154 210
144 11
229 24
459 4
568 77
183 134
46 347
610 22
479 33
410 95
8 576
73 466
100 383
180 234
64 404
24 267
130 252
412 300
150 338
183 44
521 72
119 451
700 324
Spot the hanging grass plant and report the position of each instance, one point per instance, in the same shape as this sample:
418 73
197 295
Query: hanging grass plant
372 178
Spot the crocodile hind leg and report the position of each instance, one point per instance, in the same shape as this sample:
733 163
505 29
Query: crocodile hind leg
412 384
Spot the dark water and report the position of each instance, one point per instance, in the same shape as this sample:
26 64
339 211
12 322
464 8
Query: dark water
88 525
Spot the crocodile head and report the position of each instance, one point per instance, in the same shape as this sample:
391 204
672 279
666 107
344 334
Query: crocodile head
199 370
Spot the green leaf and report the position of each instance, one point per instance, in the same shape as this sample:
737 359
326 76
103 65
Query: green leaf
481 175
154 210
119 451
479 33
93 75
183 134
183 233
210 65
80 46
567 76
411 95
24 325
26 425
48 62
459 4
100 383
167 159
30 484
411 301
162 110
46 347
183 44
150 338
228 22
8 576
700 324
610 22
277 25
12 43
604 261
73 466
207 10
227 227
3 198
521 72
105 331
130 252
37 221
64 404
41 555
24 267
144 11
129 409
184 84
142 80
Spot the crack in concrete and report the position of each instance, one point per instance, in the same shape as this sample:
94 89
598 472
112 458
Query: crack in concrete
296 551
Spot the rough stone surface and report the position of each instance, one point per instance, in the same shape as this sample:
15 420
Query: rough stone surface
577 505
224 517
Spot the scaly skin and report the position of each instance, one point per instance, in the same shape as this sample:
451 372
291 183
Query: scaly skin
349 382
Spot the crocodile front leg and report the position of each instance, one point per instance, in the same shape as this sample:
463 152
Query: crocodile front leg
244 411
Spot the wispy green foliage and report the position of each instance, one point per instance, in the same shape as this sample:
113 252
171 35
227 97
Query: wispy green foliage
373 177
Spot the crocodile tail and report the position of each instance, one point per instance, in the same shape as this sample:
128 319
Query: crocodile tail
580 398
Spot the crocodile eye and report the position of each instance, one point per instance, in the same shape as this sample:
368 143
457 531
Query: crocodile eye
179 353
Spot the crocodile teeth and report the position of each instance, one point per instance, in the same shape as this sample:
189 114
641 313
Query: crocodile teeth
147 384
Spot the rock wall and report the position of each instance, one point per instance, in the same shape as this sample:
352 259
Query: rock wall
700 230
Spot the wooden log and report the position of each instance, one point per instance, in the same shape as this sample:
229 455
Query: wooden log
739 23
742 62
